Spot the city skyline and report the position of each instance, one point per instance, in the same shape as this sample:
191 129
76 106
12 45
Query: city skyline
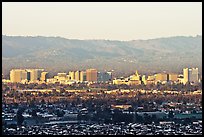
95 76
127 21
102 68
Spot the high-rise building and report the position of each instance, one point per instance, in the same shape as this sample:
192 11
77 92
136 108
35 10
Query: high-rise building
104 76
190 75
43 76
19 75
72 75
15 75
144 79
193 75
185 75
35 74
82 76
77 75
91 75
23 75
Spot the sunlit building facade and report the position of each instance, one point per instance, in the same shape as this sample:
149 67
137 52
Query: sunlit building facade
91 75
77 75
190 75
160 77
43 76
72 75
172 77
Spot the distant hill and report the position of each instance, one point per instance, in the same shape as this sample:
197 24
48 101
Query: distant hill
59 54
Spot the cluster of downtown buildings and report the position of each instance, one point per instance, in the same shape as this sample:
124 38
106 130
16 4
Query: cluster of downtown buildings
190 75
41 76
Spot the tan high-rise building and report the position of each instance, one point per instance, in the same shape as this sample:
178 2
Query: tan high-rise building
19 75
43 76
91 75
185 75
77 75
72 75
82 77
34 74
15 75
144 79
23 75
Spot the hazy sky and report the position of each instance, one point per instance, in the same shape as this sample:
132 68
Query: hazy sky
114 21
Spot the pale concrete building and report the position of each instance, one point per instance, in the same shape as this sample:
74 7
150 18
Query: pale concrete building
190 75
43 76
72 75
15 75
77 75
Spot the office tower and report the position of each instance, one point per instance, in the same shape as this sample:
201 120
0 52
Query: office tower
68 77
39 71
144 79
185 75
82 76
193 75
91 75
34 75
172 77
15 75
161 77
72 75
23 75
190 75
43 76
104 76
77 75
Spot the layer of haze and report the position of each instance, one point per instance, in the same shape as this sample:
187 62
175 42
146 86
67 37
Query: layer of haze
114 21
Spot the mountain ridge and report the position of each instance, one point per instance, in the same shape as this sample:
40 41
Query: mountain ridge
160 54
